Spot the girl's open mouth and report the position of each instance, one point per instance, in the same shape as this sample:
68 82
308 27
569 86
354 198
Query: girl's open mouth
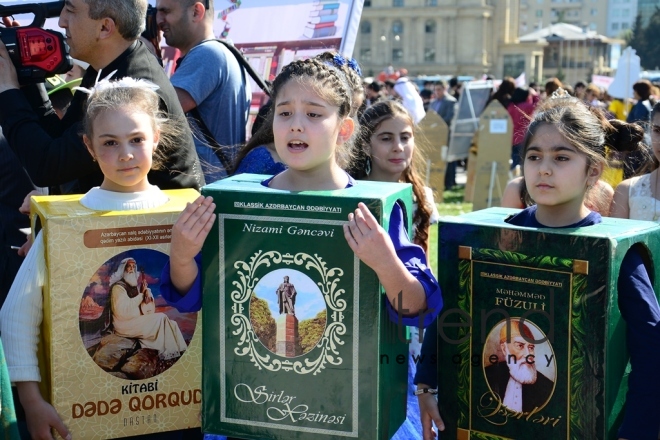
297 146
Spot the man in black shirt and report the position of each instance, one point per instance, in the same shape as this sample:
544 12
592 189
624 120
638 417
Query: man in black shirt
103 33
14 185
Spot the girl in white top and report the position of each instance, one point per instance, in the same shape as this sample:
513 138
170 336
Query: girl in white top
122 128
638 198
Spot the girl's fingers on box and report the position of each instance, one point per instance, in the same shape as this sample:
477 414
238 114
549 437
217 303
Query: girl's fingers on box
349 238
360 223
368 216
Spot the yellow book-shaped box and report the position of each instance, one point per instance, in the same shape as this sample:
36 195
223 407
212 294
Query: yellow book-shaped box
116 359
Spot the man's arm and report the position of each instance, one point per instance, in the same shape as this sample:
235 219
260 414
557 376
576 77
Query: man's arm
48 161
186 80
187 101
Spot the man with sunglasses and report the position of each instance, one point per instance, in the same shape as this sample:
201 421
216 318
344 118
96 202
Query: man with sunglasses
211 85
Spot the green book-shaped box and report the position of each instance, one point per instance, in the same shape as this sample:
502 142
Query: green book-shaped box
297 342
531 343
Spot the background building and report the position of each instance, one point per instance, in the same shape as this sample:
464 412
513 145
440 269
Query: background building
571 53
476 37
446 37
588 14
621 16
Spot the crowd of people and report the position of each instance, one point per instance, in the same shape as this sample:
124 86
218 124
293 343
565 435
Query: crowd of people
129 132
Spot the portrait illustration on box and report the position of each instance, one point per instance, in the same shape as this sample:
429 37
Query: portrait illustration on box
126 327
288 312
519 365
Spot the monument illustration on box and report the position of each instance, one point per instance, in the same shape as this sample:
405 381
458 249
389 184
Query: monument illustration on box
297 341
118 361
287 323
533 345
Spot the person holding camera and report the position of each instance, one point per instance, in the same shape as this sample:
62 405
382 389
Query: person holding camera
103 33
210 83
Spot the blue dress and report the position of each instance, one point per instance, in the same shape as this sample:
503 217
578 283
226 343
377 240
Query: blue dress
259 161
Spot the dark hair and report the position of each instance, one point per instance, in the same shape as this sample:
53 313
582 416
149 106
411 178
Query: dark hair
585 128
375 86
369 123
643 89
389 83
442 83
653 163
152 32
552 85
519 95
260 119
579 84
504 91
60 99
425 93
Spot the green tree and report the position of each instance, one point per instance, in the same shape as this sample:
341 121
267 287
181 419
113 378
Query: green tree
636 38
310 331
262 321
650 57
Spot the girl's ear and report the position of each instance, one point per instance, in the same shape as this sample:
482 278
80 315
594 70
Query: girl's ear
595 171
88 144
346 130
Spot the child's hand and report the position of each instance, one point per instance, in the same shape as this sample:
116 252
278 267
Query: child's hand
368 239
191 229
373 245
39 414
188 235
429 414
41 418
25 207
